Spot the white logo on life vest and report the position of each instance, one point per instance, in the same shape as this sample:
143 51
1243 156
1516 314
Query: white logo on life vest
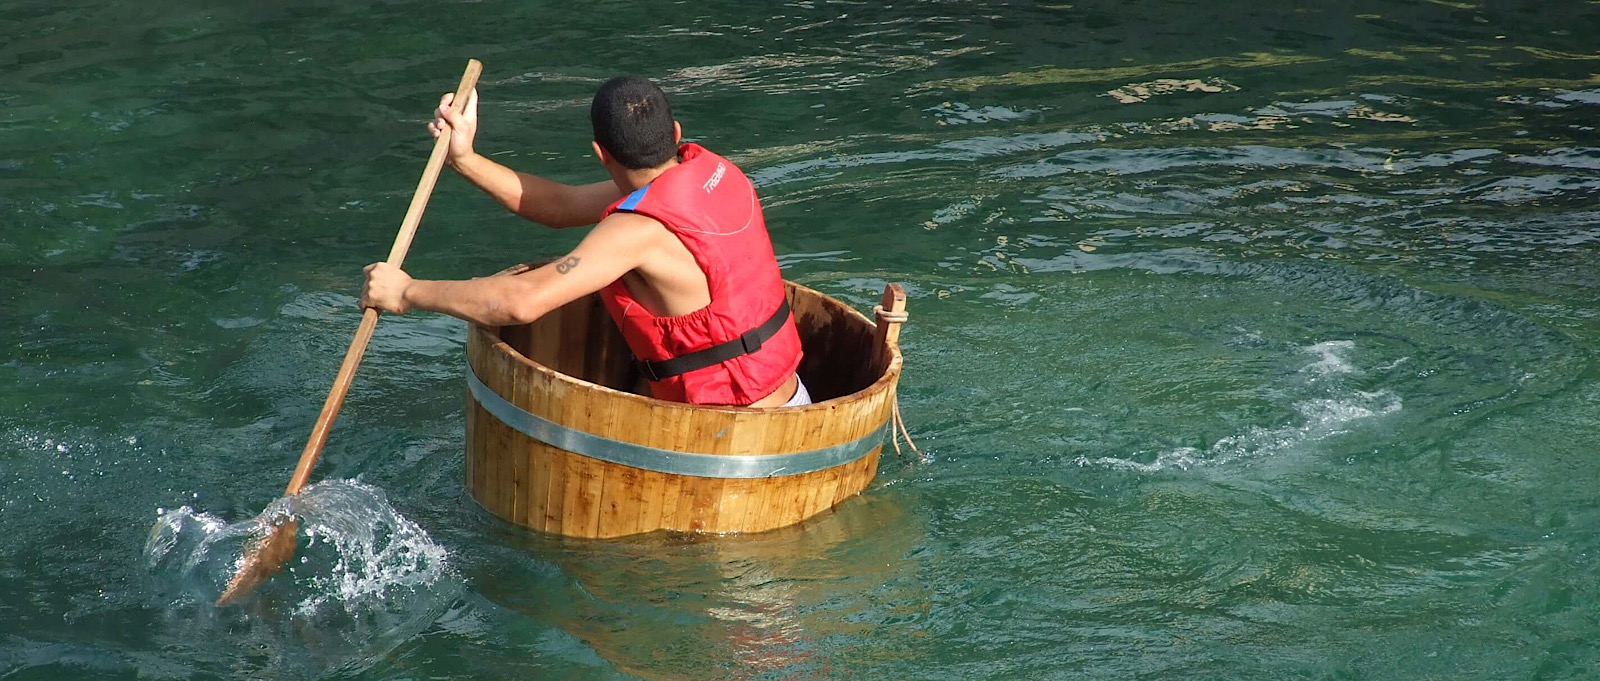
715 178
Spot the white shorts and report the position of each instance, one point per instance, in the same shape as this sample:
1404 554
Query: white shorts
801 397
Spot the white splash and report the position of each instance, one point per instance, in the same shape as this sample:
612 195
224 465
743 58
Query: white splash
363 580
1323 418
1333 358
377 549
359 550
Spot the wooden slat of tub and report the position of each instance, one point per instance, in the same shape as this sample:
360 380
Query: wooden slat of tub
536 495
614 517
488 370
666 427
651 498
758 433
544 342
700 504
846 480
757 497
574 343
748 433
500 474
852 476
481 473
591 490
774 508
729 508
511 482
469 415
557 490
849 478
674 507
555 504
810 498
828 488
570 486
777 508
855 477
504 482
475 454
758 505
489 484
770 508
793 500
867 469
797 501
522 454
642 492
539 481
553 331
670 498
619 513
849 481
814 431
586 476
714 432
765 505
598 362
514 463
477 447
490 427
518 337
475 451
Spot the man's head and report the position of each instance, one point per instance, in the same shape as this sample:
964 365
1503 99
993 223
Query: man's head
633 123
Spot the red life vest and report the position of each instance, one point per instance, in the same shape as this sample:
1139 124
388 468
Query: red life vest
712 208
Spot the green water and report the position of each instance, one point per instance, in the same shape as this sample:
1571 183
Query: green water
1247 342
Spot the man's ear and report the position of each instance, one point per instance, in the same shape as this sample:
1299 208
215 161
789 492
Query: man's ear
677 133
599 152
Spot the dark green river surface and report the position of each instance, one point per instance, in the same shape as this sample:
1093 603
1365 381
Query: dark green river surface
1248 340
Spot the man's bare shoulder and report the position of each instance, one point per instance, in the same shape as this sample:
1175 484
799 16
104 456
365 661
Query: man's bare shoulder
630 236
624 224
668 267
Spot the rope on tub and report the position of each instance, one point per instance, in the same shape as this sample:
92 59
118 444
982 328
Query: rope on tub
898 431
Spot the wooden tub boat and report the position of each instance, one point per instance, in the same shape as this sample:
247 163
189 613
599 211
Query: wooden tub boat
559 440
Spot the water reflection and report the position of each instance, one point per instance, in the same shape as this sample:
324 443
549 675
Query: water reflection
683 606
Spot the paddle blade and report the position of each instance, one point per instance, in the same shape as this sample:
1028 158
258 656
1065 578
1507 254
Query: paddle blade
262 558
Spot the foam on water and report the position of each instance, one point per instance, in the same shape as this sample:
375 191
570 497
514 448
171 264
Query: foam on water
1320 418
363 579
1331 360
1323 418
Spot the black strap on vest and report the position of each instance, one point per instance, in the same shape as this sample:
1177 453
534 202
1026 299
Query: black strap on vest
747 343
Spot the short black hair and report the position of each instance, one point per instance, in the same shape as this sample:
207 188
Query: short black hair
633 122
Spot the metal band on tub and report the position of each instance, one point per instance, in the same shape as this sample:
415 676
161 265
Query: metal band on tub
666 460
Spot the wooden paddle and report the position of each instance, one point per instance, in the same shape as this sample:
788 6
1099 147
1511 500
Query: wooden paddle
266 554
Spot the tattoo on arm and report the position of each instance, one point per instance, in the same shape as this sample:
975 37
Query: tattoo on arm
567 265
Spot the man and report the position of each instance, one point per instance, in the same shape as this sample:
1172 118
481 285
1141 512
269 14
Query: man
679 253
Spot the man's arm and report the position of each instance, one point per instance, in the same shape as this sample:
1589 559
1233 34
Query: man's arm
617 245
546 202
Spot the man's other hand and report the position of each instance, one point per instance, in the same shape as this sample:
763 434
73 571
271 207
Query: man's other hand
462 127
385 289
